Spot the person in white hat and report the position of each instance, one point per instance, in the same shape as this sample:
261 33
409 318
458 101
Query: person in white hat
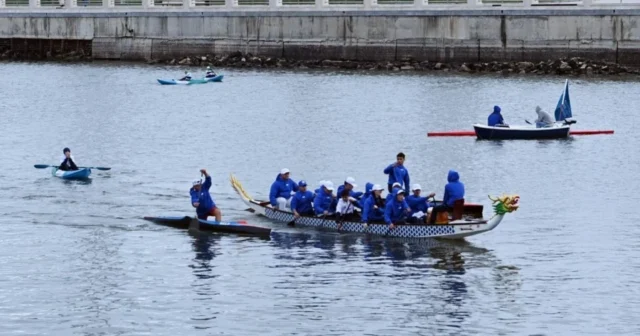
396 210
201 198
281 190
350 184
373 206
395 186
418 204
323 200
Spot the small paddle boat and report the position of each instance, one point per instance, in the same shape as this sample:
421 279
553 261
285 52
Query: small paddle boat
217 78
467 222
560 129
181 82
80 174
239 227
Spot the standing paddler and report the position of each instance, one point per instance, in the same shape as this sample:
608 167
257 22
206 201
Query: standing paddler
398 173
201 199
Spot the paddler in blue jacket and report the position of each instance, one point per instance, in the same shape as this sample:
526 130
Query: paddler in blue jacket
396 211
418 204
281 190
209 73
396 186
324 199
453 191
350 184
373 206
495 119
66 163
398 173
201 199
302 201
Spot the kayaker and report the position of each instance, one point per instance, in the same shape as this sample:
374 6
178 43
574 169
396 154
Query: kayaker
66 163
209 73
453 191
418 204
495 118
187 76
323 200
398 173
201 199
302 201
281 190
350 184
345 208
544 119
396 211
373 206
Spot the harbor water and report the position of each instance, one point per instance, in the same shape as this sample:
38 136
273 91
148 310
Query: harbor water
76 258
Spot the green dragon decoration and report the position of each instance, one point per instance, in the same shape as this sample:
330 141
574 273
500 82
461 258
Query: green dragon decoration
505 204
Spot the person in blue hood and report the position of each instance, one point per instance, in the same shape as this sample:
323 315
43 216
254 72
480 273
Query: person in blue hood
418 204
396 211
281 190
367 193
495 118
373 206
453 191
350 184
201 199
398 173
324 199
302 201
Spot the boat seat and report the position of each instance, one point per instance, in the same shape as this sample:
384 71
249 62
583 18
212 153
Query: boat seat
458 209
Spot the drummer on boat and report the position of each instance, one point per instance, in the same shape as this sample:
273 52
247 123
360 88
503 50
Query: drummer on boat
281 190
201 199
453 191
495 118
66 162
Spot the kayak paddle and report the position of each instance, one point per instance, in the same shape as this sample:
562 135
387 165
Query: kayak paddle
43 166
528 122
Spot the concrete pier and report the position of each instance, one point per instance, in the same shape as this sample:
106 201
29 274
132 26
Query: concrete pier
367 30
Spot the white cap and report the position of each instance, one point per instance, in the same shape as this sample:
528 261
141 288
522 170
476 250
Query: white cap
416 187
328 185
401 191
196 182
377 187
396 184
284 171
351 181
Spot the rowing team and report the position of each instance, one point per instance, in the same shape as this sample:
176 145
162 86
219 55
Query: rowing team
208 74
396 209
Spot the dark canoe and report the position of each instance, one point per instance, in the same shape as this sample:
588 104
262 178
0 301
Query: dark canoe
239 227
520 133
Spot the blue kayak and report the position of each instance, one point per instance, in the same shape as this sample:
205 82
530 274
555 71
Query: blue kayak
79 174
240 227
217 78
181 82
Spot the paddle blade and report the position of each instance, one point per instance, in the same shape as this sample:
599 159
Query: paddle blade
103 168
41 166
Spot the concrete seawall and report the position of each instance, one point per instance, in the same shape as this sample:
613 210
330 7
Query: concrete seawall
434 35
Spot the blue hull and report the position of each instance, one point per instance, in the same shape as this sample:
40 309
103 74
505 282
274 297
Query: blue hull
217 78
79 174
503 133
205 225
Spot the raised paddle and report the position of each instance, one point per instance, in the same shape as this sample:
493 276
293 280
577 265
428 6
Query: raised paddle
528 122
42 166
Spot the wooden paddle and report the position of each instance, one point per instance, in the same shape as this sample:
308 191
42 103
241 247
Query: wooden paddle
42 166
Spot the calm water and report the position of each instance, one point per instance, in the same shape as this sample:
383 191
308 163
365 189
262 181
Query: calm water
77 259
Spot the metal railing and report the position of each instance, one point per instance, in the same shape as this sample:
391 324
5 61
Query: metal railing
285 5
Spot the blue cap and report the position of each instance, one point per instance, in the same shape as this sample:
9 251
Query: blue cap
302 183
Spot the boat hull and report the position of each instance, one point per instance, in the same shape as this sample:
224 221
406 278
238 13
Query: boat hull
80 174
484 132
454 230
179 82
238 227
217 78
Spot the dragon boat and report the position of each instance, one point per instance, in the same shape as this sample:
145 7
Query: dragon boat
466 220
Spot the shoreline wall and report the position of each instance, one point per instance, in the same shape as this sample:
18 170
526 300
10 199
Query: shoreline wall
479 35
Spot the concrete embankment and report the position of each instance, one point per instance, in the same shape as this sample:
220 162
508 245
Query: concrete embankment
479 36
